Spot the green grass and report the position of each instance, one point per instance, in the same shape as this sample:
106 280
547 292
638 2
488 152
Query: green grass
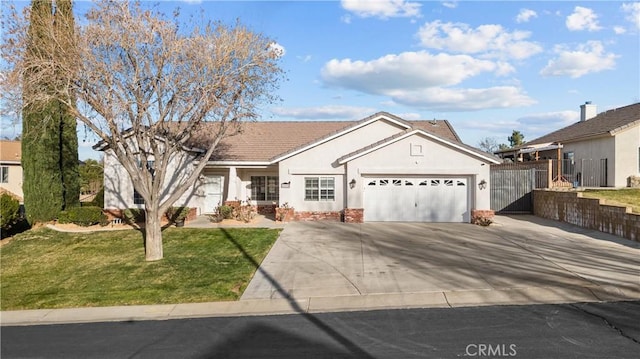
626 197
48 269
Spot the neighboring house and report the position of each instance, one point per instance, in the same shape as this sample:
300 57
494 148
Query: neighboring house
11 169
599 150
381 168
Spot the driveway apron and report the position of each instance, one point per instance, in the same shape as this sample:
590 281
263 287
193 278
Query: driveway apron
323 259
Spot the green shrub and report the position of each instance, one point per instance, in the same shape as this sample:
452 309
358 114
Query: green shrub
177 214
9 211
83 216
225 211
134 215
63 217
98 201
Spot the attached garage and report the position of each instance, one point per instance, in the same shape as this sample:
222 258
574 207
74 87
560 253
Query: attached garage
417 199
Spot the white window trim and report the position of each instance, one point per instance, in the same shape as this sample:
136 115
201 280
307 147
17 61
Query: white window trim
318 190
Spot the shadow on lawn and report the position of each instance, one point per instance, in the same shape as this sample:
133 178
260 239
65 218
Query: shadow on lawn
239 342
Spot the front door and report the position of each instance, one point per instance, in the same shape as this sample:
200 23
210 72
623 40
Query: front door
213 187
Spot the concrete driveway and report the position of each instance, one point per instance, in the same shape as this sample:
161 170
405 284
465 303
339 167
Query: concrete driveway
319 259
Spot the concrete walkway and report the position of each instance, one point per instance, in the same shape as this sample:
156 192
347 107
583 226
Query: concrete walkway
322 267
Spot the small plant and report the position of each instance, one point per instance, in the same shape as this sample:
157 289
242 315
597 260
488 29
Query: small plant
9 211
134 215
177 214
482 221
83 216
283 211
225 211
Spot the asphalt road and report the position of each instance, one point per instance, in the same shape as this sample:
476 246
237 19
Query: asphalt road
594 330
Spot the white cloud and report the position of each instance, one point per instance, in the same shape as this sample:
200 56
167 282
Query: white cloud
633 13
278 49
305 58
382 8
619 30
408 70
525 15
450 4
194 2
469 99
423 80
584 59
582 19
487 40
329 112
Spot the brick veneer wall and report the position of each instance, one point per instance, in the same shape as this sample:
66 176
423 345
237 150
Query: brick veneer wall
571 207
317 216
353 215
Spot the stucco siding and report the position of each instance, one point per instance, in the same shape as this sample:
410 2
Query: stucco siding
320 161
14 183
595 150
118 186
627 146
435 159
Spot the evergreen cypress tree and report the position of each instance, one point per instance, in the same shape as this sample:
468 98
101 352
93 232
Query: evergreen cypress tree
68 133
49 139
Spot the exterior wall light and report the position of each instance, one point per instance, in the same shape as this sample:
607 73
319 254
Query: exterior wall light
482 184
352 184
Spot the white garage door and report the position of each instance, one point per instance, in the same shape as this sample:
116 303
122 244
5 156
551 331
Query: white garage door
416 199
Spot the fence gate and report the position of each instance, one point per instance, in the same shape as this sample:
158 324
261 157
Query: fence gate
512 185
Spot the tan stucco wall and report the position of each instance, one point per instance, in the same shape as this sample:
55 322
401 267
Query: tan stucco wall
320 161
627 146
14 185
595 149
118 187
437 159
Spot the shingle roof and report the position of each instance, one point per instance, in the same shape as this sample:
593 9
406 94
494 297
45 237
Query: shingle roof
264 141
10 151
608 122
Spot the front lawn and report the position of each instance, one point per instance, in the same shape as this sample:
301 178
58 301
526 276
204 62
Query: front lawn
48 269
625 197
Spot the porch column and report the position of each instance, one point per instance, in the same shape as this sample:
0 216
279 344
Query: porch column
232 193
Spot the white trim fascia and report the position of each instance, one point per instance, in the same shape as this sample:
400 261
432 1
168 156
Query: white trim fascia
10 163
374 172
239 163
408 134
350 129
317 171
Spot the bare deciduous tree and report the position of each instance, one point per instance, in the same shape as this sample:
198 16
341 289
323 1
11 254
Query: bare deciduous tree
489 144
148 88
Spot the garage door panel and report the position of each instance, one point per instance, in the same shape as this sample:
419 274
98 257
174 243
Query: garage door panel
417 199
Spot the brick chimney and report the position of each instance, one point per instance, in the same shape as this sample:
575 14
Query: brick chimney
587 111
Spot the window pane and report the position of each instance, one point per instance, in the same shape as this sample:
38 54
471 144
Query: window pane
272 188
4 174
137 198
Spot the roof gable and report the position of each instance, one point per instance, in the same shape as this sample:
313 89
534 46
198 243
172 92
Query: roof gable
413 132
604 124
273 141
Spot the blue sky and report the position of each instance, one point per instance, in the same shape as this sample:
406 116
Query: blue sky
487 67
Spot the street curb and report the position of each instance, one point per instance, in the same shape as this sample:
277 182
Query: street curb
259 307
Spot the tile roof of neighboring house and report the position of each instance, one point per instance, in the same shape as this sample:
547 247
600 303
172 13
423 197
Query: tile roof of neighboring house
608 122
265 141
10 151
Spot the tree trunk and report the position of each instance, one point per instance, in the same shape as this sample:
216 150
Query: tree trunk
152 236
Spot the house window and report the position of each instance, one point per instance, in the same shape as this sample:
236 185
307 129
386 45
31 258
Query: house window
4 174
137 198
264 188
319 188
